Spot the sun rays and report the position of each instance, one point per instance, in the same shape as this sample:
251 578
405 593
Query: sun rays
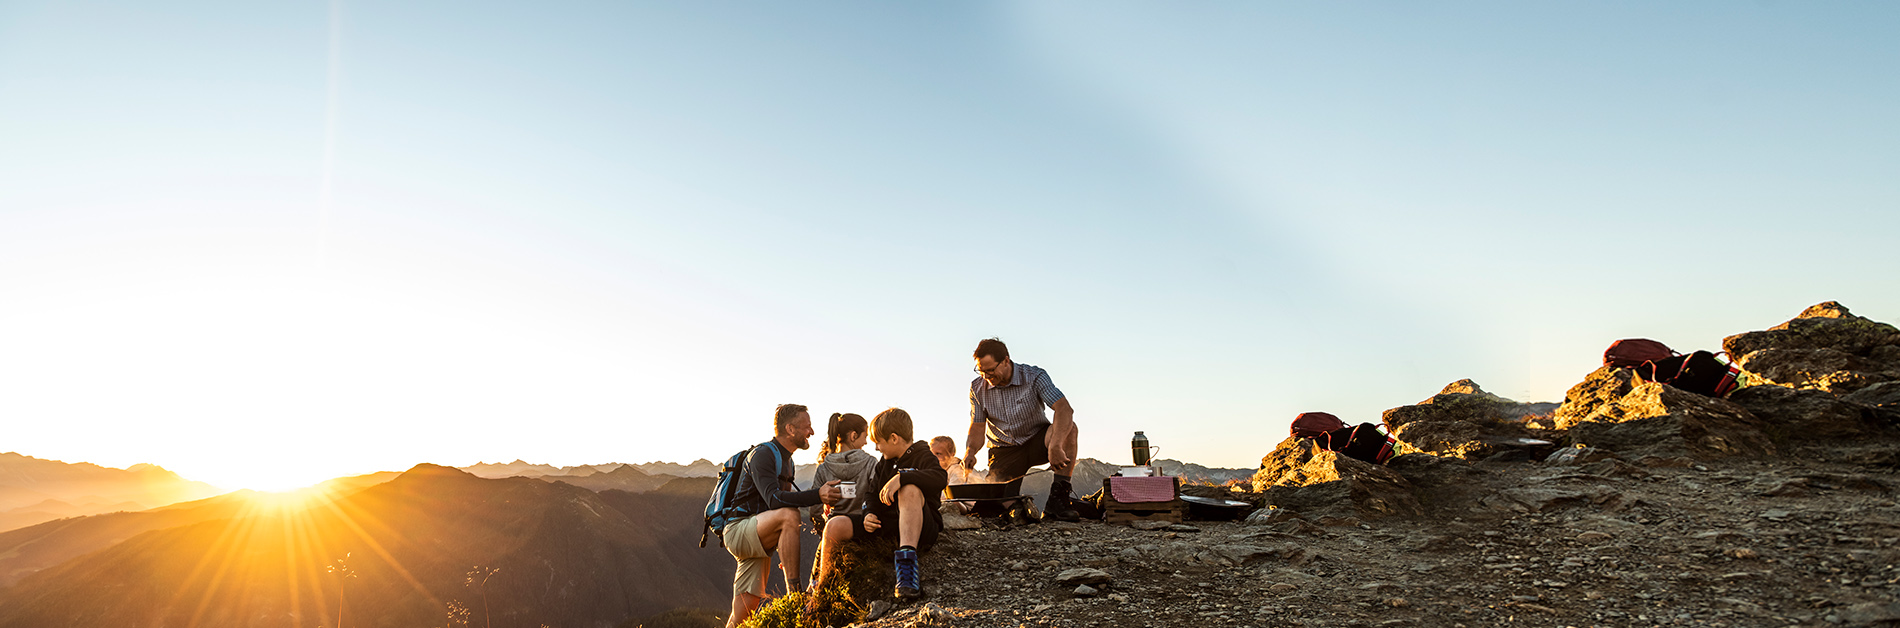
304 555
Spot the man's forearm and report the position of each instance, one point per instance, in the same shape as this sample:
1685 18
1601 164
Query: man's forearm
975 441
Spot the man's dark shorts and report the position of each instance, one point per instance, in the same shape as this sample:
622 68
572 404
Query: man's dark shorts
1009 463
888 530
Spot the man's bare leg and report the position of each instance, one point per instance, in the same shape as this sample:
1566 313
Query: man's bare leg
778 530
1063 465
743 605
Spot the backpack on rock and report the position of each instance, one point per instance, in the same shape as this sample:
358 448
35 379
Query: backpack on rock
1700 372
1360 442
1315 424
1633 352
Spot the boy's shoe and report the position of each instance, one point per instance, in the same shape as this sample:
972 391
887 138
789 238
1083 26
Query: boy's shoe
909 581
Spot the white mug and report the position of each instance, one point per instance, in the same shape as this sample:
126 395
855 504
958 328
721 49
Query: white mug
848 490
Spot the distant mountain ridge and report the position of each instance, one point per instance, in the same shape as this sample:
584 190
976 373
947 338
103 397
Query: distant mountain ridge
31 549
568 557
34 490
701 468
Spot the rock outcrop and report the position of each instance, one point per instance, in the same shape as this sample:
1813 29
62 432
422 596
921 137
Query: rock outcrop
1300 475
1826 347
1797 415
1600 388
1464 421
1660 420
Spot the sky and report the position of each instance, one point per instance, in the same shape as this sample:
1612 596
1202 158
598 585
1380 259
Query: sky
265 244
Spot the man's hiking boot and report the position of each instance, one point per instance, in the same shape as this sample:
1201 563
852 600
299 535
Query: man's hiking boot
1058 506
909 581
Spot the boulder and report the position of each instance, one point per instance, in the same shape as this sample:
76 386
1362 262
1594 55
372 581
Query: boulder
1464 421
1658 420
1831 370
1790 414
1826 347
1306 478
1601 387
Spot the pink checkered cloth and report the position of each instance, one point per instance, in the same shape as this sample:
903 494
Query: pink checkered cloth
1141 490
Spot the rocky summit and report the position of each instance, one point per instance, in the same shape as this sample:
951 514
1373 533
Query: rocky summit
1630 503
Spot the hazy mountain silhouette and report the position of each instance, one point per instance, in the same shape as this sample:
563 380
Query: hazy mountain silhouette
33 490
701 468
568 557
521 468
626 477
34 548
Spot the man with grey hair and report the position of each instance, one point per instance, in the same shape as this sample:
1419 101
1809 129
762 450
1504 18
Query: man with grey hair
1006 411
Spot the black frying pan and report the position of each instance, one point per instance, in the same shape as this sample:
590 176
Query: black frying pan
987 490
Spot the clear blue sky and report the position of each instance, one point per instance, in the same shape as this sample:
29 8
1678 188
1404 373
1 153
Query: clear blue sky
336 238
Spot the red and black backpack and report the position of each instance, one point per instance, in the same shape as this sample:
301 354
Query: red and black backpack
1633 352
1360 442
1701 372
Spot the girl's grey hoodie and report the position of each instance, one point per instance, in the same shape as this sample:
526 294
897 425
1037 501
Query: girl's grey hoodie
853 465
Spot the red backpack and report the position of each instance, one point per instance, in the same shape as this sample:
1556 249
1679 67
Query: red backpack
1633 352
1315 424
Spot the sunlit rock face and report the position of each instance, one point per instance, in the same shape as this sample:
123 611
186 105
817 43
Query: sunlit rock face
1659 420
1301 476
1826 347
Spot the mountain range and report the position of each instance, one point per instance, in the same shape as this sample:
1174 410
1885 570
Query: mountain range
588 545
33 490
565 556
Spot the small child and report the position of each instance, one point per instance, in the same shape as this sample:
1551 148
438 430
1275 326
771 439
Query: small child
945 449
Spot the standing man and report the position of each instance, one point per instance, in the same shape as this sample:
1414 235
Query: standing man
1006 402
765 487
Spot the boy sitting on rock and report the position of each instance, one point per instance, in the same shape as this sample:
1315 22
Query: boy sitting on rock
909 484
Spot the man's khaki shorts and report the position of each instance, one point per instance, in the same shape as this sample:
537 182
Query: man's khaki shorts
742 540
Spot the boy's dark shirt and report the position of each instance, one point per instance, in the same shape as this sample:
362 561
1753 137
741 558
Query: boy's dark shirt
761 488
923 472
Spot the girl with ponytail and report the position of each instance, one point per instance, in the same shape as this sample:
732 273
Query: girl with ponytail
842 457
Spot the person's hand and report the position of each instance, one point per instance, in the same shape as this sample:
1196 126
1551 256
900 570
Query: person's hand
888 494
1058 459
969 461
830 494
870 523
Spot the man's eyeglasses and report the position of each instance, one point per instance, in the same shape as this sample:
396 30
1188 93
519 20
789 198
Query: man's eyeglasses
991 371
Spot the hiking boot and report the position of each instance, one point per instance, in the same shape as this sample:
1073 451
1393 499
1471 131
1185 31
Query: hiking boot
909 581
1058 506
1060 510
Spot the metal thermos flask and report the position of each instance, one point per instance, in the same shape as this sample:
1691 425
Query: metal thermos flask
1141 449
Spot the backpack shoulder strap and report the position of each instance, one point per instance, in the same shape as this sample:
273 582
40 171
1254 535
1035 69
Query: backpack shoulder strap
779 456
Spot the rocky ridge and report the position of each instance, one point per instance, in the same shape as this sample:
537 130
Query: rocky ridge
1630 503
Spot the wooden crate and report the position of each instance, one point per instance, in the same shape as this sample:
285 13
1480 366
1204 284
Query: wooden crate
1172 511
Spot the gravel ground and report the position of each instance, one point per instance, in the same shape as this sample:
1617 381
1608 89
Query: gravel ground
1774 542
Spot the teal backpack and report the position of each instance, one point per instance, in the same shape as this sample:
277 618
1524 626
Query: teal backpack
719 508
